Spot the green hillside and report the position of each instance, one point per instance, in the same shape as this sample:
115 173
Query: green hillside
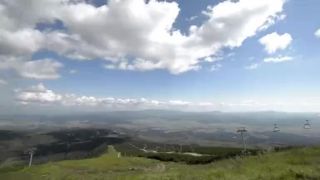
303 163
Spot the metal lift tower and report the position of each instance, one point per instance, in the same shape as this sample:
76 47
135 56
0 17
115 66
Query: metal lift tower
242 130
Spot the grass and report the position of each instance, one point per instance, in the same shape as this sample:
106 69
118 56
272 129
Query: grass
302 163
209 154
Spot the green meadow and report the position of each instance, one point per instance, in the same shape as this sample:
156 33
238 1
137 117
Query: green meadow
298 163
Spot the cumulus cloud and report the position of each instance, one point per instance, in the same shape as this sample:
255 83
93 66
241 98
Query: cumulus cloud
317 33
34 69
274 42
277 59
37 94
131 34
40 95
20 42
40 69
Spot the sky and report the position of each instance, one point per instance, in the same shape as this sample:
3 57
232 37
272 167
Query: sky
59 56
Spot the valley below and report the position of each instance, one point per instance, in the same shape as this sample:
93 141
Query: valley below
139 143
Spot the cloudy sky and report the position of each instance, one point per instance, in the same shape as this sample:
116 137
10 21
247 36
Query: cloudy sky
98 55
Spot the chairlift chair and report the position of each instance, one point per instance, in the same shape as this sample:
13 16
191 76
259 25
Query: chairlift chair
276 128
307 125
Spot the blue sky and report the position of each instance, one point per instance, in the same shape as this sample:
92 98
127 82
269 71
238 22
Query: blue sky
238 78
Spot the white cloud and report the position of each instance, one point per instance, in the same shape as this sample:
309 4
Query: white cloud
131 34
37 88
274 42
39 95
21 42
3 82
40 69
252 66
277 59
213 58
272 21
317 33
34 69
191 18
179 103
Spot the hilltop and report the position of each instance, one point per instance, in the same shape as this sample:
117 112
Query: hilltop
298 163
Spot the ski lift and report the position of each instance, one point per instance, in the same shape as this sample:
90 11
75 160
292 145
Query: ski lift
276 128
307 125
30 152
243 130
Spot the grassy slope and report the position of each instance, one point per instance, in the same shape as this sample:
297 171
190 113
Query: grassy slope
292 164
